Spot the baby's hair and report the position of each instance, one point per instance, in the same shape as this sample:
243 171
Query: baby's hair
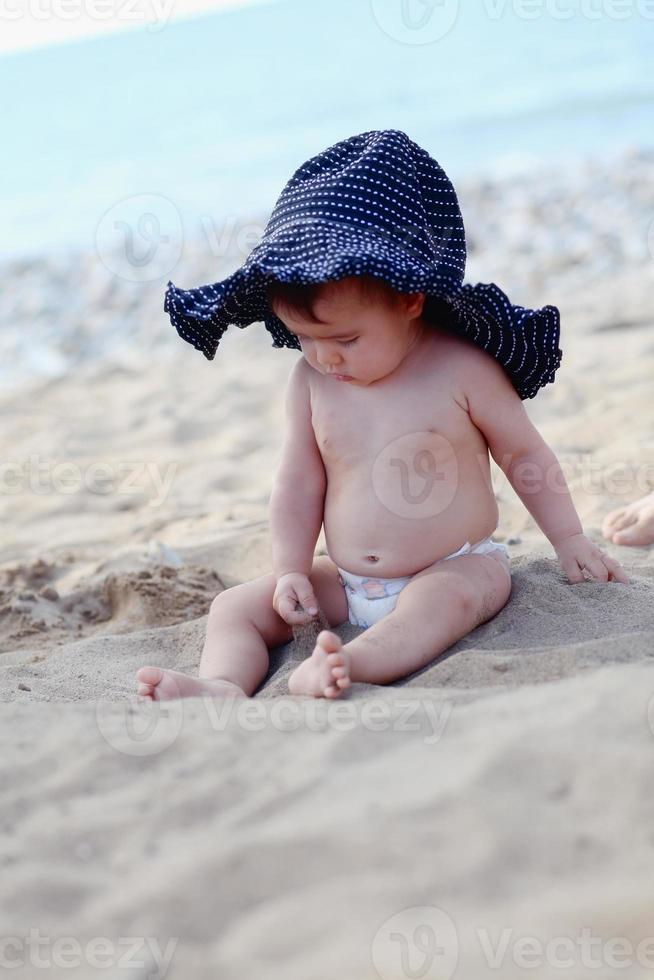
298 298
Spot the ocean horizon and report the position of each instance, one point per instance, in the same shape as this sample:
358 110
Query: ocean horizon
213 114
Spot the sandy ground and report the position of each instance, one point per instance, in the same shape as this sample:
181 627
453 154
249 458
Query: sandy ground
489 816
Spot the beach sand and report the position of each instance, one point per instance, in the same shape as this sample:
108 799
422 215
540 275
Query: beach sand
487 806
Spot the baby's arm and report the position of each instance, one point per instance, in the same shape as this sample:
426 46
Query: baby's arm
297 500
532 469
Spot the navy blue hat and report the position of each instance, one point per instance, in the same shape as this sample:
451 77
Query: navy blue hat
375 204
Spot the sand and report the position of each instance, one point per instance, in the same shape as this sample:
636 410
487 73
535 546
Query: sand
490 815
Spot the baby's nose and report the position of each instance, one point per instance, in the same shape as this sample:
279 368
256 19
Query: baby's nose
329 359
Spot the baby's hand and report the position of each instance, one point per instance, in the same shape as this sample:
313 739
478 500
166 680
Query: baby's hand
578 554
292 588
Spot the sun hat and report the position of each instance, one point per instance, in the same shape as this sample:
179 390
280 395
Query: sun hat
375 204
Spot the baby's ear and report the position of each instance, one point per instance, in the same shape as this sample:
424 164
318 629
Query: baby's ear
413 303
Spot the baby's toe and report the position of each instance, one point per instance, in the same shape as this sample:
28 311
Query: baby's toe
633 534
329 641
343 682
339 671
149 675
625 520
611 519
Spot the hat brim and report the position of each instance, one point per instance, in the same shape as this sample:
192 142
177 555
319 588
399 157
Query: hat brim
524 341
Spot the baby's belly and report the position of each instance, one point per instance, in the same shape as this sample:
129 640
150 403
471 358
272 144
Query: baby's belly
384 532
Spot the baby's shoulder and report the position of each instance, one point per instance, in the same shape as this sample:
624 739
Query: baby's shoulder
469 371
299 376
472 361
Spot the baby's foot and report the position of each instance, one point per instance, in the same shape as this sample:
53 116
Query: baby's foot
633 524
164 685
326 673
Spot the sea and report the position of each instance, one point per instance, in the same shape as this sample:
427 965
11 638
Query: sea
213 114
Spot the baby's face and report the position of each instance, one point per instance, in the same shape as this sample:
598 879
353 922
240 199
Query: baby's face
359 340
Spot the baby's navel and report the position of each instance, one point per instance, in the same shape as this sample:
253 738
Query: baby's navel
372 557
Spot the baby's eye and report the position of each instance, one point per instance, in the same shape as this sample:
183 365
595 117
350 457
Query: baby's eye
348 343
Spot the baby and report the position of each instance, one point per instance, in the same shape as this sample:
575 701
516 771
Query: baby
392 411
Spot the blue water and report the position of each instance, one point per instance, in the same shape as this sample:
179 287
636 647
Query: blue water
216 112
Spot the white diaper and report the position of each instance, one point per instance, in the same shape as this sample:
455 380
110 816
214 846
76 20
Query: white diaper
370 599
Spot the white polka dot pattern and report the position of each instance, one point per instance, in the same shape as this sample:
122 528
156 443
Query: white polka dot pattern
375 204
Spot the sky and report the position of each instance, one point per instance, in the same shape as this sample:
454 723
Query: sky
37 23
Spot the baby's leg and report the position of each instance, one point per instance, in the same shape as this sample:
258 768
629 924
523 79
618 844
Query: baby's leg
436 608
241 628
